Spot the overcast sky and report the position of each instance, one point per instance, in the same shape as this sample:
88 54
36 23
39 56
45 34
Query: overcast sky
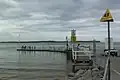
53 19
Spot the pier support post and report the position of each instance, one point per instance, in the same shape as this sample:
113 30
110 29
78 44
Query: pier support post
94 48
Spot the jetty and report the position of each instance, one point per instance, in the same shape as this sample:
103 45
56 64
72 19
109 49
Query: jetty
46 50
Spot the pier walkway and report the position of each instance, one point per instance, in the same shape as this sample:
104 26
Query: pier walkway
94 74
115 68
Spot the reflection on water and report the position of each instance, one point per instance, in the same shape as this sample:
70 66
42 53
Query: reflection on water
42 60
40 65
31 65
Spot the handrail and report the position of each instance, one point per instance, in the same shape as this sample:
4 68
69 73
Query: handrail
75 56
106 69
83 51
74 53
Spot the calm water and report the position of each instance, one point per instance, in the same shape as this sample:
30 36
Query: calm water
16 65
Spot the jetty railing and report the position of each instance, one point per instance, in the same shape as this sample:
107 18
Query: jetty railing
75 51
105 71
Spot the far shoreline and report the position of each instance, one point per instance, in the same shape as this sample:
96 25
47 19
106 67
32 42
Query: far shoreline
40 41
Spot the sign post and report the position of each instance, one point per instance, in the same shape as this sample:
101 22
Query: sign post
107 17
73 35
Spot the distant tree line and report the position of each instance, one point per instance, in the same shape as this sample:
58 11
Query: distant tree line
40 41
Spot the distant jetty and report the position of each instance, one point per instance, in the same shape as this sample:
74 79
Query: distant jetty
61 51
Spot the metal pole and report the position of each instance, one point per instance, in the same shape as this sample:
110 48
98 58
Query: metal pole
109 74
94 47
19 41
67 42
66 78
109 38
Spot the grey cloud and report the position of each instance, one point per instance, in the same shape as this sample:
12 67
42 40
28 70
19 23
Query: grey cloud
111 4
6 36
7 4
15 13
56 16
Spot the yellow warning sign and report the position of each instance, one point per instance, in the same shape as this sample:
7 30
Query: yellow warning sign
107 17
73 38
